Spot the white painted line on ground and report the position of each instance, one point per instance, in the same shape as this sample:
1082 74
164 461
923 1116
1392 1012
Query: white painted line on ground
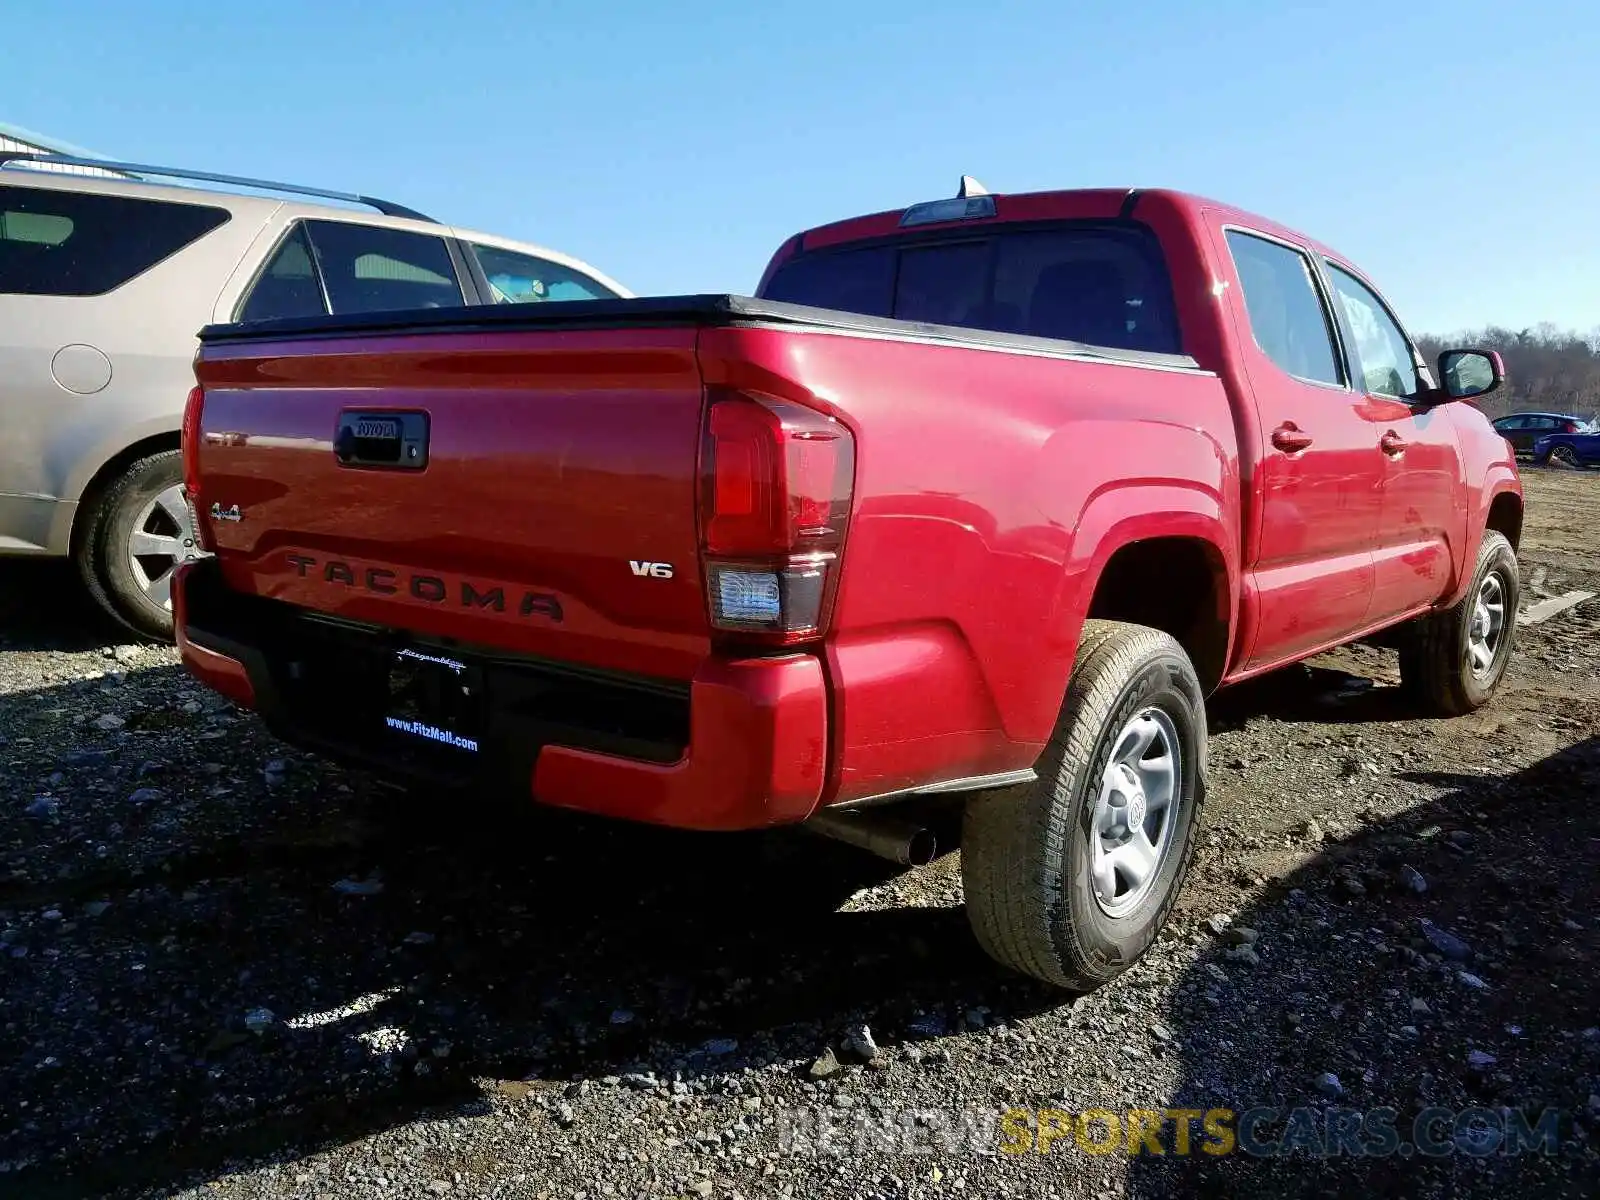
1546 609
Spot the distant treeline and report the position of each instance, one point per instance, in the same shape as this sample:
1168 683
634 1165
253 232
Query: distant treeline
1547 369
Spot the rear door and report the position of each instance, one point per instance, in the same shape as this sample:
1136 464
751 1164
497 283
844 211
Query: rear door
1422 521
1319 472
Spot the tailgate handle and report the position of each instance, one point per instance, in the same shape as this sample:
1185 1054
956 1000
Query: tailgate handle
368 438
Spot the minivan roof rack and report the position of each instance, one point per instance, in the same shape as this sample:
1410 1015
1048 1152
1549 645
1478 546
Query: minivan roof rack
386 207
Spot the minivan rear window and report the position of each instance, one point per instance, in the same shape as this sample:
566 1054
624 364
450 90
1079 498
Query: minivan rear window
1099 284
59 243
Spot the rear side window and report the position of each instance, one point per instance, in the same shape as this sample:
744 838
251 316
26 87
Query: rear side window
366 268
1101 285
56 243
517 278
1286 312
288 285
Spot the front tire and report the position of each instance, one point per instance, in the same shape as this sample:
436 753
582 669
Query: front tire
140 531
1071 878
1456 658
1564 457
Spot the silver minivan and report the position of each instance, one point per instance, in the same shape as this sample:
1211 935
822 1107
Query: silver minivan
104 283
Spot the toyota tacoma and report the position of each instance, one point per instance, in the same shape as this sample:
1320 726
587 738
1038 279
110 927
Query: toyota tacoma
977 498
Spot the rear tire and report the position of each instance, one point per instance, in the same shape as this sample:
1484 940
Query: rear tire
139 532
1050 869
1455 659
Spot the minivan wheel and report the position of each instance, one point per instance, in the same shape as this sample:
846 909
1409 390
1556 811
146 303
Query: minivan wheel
1070 879
141 532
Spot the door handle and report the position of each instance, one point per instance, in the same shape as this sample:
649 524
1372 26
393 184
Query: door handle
1290 439
1392 444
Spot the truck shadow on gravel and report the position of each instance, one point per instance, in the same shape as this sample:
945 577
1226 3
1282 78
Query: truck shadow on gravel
1498 1013
268 955
244 966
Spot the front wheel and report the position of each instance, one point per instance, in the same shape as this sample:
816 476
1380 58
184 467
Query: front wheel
1565 457
140 531
1455 659
1071 878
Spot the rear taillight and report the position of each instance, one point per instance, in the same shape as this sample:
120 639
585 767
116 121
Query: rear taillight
189 439
776 482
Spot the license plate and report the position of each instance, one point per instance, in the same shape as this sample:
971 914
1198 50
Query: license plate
434 698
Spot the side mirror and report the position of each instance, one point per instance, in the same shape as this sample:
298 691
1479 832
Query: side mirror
1466 374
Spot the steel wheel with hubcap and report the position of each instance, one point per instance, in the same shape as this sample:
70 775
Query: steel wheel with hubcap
1488 625
1133 817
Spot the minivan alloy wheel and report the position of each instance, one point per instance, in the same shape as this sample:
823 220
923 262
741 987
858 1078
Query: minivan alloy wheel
163 536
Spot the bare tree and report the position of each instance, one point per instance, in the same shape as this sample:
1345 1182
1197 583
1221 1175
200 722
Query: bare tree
1547 369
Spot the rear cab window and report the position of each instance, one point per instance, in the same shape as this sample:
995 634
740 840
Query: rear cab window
60 243
1096 283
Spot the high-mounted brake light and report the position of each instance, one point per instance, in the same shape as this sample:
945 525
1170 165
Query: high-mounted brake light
972 202
776 481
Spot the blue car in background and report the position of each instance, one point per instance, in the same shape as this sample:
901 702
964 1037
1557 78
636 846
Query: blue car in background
1580 448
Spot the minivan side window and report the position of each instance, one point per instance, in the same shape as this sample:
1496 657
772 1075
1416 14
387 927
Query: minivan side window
516 278
55 243
1388 367
1287 316
367 268
288 286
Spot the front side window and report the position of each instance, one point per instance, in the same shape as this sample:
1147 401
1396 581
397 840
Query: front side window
367 268
1388 366
516 278
59 243
1286 312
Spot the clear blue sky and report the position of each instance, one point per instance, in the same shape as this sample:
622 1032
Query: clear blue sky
1452 149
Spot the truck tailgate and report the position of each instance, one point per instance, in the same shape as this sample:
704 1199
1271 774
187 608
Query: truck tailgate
540 495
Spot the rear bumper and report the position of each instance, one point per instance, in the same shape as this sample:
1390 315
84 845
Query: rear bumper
743 746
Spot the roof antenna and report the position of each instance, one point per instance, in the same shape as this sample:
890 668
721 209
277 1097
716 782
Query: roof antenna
970 187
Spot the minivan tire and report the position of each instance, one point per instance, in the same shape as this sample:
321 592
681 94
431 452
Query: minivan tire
1034 858
146 499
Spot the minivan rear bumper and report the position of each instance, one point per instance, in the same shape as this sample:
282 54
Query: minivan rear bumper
742 746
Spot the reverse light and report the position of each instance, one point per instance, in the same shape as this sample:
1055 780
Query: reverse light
776 482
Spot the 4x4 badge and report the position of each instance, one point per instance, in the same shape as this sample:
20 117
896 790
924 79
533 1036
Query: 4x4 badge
231 513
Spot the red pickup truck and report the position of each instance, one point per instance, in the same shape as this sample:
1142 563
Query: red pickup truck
981 497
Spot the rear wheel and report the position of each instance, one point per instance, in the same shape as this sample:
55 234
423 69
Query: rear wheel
141 530
1455 659
1071 878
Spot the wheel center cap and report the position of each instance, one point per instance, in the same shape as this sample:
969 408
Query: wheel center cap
1136 810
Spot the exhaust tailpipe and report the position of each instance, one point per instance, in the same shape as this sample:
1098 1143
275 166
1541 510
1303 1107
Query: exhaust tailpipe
898 841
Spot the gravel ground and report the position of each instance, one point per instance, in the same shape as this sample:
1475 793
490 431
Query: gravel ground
230 970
